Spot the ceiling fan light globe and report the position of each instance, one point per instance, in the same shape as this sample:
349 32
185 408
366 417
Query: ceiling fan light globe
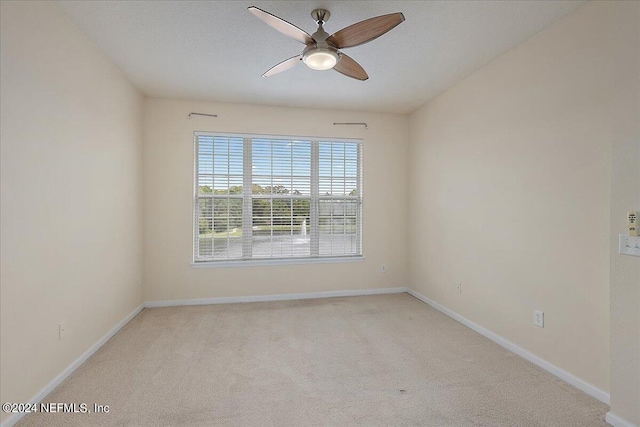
320 59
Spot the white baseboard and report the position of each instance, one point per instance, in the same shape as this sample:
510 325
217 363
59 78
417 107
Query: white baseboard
14 418
617 421
278 297
591 390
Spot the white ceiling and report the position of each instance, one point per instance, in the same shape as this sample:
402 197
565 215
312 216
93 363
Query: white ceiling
217 50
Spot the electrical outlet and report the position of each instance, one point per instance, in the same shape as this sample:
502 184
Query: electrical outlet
383 268
62 330
538 318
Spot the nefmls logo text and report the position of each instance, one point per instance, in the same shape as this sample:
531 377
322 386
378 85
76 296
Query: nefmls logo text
76 408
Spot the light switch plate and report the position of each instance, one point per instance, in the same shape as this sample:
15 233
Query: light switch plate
629 245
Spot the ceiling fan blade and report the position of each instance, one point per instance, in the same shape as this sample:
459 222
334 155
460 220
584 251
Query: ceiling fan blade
283 66
283 26
365 31
350 68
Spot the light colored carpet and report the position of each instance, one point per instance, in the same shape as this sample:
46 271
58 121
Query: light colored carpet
372 360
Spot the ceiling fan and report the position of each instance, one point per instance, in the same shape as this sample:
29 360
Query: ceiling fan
322 50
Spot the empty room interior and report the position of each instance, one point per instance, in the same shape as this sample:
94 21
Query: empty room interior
336 213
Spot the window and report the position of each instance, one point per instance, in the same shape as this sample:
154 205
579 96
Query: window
276 198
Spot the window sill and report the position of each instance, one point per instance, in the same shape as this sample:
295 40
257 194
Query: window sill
266 262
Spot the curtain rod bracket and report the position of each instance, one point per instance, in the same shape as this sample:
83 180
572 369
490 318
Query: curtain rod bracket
202 114
350 123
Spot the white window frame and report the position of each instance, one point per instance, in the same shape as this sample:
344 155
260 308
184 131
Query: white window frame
247 197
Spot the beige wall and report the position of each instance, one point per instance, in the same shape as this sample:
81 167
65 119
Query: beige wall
510 173
71 196
168 195
625 196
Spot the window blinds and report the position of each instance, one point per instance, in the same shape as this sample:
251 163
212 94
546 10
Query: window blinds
276 198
